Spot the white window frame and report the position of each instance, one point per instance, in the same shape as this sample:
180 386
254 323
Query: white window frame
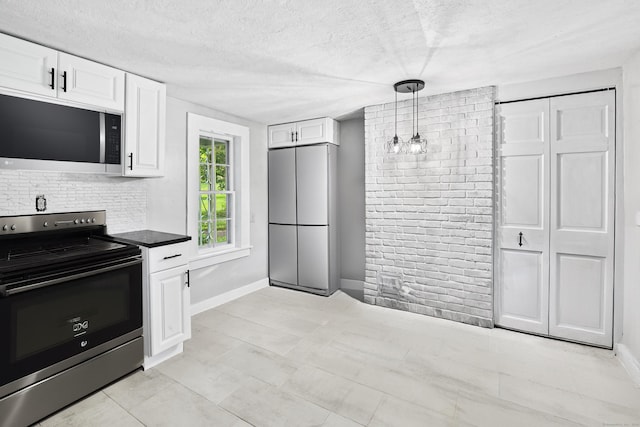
238 135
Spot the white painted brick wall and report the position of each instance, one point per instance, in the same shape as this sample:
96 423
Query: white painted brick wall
124 199
429 217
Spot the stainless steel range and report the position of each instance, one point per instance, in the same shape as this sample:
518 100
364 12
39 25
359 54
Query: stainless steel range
70 312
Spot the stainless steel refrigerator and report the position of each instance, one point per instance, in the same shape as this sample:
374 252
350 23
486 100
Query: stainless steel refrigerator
303 221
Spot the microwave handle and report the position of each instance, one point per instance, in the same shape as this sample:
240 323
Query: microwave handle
103 138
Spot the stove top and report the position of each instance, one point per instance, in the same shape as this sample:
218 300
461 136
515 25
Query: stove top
34 245
53 252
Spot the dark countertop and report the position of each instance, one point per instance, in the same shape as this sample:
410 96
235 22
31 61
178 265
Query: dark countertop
150 238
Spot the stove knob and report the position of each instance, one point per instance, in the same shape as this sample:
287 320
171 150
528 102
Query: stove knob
82 220
46 224
13 227
5 227
93 220
75 221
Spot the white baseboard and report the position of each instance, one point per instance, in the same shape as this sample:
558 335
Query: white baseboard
210 303
629 362
355 285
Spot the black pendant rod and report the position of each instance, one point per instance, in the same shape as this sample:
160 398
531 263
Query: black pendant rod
417 118
396 126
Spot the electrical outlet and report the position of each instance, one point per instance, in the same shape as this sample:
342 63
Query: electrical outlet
41 203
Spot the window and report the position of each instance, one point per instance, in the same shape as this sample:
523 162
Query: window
217 190
216 222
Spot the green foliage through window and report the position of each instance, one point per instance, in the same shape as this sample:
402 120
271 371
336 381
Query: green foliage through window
216 192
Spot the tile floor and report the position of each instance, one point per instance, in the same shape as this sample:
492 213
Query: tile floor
284 358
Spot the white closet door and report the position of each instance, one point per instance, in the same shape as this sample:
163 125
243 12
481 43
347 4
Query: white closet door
582 217
522 262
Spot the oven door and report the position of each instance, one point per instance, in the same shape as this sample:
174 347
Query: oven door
49 328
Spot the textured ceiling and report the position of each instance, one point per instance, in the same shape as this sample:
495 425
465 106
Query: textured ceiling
282 60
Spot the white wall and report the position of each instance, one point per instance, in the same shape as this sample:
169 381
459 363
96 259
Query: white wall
631 310
167 202
351 199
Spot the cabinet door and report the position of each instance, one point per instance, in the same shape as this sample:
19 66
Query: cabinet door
313 257
145 111
282 135
312 184
88 82
313 131
27 66
169 309
282 186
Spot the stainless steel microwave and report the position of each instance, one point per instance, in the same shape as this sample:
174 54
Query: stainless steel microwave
46 136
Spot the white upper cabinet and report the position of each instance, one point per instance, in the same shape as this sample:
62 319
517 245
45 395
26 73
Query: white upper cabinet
282 135
315 131
88 82
34 69
306 132
27 66
145 112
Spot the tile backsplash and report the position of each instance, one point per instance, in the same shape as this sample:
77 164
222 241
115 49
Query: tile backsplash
124 199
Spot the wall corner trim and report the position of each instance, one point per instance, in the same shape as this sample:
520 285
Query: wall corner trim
629 362
228 296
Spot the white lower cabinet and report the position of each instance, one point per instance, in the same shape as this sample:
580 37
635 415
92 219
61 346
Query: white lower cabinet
167 317
169 300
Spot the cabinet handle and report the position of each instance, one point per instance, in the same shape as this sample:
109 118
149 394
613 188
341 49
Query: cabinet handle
64 81
188 279
520 239
172 256
52 85
292 137
131 161
296 136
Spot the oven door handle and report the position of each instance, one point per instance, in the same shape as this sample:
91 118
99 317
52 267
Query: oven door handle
59 280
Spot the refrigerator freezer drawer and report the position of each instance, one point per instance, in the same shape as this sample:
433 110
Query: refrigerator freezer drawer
313 257
282 186
312 164
283 254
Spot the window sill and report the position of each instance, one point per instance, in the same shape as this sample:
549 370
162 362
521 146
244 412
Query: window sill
208 259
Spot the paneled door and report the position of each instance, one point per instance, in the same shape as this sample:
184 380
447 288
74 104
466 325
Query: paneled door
582 217
555 216
522 250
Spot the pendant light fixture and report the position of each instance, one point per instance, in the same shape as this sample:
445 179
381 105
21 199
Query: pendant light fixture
395 145
416 144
